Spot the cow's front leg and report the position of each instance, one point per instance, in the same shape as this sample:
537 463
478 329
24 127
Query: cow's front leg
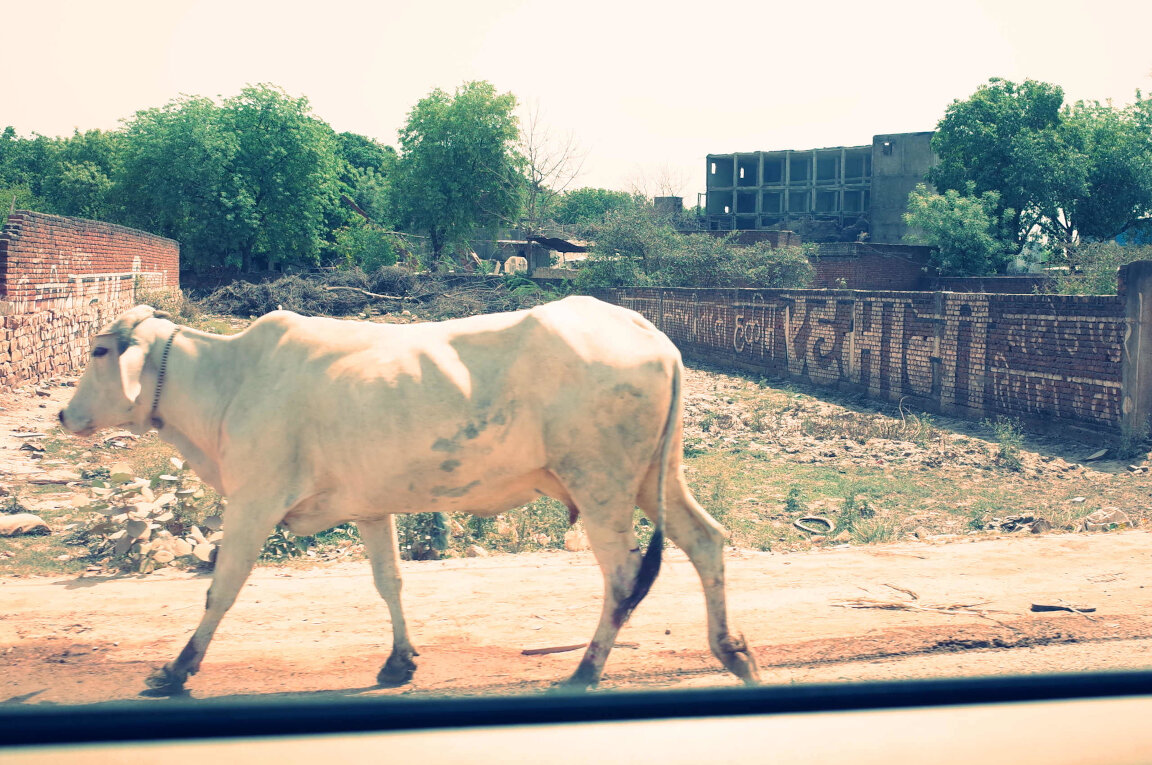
384 554
245 530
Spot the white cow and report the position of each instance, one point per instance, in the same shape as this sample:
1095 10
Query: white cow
313 422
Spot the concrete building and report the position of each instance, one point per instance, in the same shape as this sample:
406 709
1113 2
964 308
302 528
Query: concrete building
832 194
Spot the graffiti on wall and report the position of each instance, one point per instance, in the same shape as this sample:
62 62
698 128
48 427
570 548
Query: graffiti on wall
969 353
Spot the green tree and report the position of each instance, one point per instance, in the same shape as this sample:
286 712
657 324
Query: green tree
244 184
177 178
962 227
287 168
365 245
1064 172
1117 146
459 167
1092 267
78 181
991 140
635 233
589 206
365 167
24 164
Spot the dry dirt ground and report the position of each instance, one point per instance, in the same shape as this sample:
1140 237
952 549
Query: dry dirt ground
324 630
944 607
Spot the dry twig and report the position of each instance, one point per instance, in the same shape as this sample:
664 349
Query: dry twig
912 603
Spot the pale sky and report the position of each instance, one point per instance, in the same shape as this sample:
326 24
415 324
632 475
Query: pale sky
646 89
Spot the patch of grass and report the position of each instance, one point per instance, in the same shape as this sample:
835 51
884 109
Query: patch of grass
1010 439
794 502
875 530
861 427
1133 442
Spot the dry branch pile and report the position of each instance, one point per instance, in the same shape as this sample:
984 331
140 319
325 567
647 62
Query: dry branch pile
391 289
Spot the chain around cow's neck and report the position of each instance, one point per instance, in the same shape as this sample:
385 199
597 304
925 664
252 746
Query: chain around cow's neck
156 421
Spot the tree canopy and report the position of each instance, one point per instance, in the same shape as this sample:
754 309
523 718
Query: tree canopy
246 183
458 167
1060 172
588 206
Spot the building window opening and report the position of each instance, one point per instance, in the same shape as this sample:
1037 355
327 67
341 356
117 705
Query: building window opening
773 171
828 168
799 170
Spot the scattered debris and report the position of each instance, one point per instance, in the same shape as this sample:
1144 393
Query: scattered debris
573 647
911 602
1107 519
54 477
552 649
804 524
22 523
1062 606
1014 523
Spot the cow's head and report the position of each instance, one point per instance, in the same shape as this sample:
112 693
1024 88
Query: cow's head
108 394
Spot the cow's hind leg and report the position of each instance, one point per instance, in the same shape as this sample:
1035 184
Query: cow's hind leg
702 539
384 553
613 541
247 530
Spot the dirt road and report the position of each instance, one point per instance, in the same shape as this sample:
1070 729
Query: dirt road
324 630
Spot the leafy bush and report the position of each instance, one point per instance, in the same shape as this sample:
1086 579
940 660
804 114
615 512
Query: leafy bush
1092 267
658 256
366 246
964 229
1010 439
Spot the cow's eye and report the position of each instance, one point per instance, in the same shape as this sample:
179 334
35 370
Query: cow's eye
98 351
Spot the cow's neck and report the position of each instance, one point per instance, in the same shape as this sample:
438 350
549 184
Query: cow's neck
197 389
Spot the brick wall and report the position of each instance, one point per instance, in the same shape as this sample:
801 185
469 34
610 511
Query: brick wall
1024 284
861 266
61 280
1049 360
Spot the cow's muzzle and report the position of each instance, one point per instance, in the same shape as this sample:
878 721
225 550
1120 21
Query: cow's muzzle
71 427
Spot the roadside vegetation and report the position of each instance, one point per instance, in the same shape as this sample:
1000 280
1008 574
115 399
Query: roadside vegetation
635 246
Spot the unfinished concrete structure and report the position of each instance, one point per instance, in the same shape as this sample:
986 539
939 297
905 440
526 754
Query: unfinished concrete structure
837 193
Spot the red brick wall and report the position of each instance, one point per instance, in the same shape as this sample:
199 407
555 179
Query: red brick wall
1049 360
50 256
861 266
61 280
1023 284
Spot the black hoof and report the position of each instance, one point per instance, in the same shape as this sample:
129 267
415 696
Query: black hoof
398 670
165 682
567 687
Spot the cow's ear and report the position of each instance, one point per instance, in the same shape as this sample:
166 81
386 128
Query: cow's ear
131 365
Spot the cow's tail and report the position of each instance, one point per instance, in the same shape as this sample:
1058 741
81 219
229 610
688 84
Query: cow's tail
650 565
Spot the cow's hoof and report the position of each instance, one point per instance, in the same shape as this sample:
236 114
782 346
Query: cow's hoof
165 682
739 660
398 670
569 687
